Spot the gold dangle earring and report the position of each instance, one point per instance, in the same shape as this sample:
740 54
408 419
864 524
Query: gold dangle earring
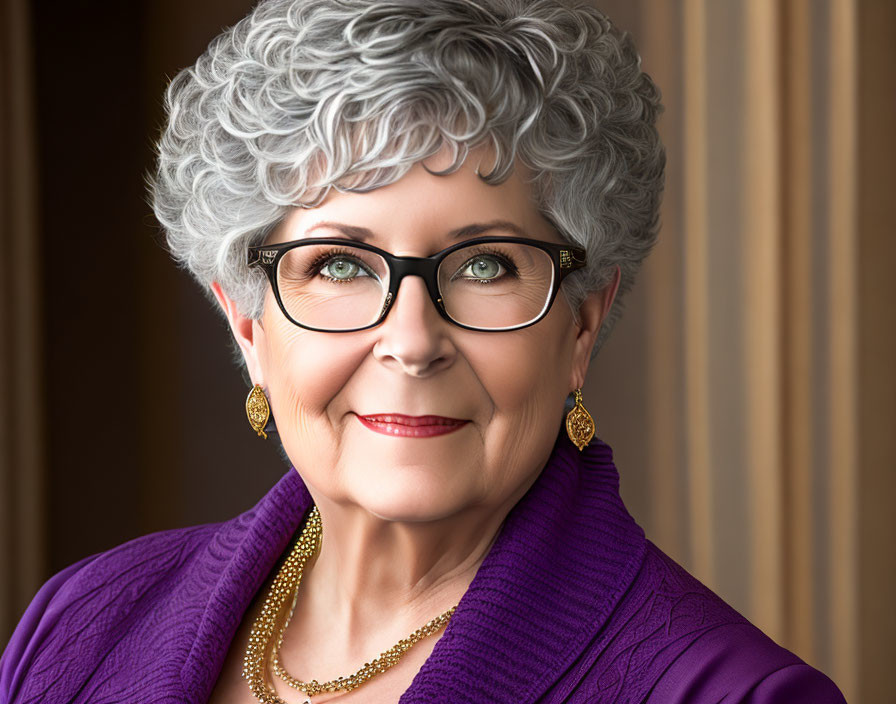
258 410
579 423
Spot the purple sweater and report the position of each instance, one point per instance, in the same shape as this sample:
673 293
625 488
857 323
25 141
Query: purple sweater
572 604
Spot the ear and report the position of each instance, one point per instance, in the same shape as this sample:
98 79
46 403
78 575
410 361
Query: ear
592 313
246 331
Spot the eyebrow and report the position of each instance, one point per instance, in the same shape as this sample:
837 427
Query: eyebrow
363 234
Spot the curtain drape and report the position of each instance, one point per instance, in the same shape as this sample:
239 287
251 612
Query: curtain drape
22 519
756 442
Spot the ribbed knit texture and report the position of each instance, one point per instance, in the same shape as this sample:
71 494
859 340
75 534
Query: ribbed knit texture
565 556
572 604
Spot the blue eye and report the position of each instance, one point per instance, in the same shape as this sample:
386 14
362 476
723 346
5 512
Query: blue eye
485 268
342 269
339 268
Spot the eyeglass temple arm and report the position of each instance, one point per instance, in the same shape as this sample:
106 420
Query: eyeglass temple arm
261 256
571 259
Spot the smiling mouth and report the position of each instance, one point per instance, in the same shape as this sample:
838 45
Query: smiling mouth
398 424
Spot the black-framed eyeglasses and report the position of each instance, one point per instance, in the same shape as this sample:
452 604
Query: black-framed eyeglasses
490 284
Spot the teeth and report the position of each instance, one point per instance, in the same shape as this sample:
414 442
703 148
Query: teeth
412 422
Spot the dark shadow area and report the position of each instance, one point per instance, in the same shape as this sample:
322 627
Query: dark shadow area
145 422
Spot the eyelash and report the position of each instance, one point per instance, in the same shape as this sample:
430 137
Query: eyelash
314 268
508 265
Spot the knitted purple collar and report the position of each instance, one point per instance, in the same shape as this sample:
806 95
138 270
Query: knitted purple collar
565 555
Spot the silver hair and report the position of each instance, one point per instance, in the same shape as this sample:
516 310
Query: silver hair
304 96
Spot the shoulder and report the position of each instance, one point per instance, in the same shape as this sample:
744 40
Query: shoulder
83 607
739 663
714 654
672 640
150 614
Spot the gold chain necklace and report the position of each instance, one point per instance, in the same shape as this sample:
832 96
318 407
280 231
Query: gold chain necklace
266 638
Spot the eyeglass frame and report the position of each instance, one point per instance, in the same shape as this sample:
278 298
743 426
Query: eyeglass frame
565 258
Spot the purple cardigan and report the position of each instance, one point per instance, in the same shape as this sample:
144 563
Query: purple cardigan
572 604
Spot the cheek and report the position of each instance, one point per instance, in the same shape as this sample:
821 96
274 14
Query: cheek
542 354
304 371
524 374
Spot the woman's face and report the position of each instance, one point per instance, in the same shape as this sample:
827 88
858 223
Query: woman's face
510 387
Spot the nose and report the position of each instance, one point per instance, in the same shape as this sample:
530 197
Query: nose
414 337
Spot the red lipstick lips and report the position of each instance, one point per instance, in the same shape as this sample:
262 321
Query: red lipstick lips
397 424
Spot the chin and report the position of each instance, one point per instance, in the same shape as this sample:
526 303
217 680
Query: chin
410 494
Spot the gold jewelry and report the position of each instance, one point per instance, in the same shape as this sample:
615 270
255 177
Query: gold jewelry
380 664
258 410
284 587
266 638
579 423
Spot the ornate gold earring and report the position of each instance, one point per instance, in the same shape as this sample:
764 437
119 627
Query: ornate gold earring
258 410
579 423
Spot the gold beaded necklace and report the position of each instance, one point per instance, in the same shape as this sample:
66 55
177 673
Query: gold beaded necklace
266 638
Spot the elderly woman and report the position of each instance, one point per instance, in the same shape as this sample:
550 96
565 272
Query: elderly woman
416 218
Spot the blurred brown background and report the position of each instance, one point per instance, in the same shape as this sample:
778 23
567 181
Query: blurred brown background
749 392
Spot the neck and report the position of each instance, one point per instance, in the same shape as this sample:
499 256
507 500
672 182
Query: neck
369 568
375 581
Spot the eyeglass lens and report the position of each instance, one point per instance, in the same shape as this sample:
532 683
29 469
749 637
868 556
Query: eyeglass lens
490 286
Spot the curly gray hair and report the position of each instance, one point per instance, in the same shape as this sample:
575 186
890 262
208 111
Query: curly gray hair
303 96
